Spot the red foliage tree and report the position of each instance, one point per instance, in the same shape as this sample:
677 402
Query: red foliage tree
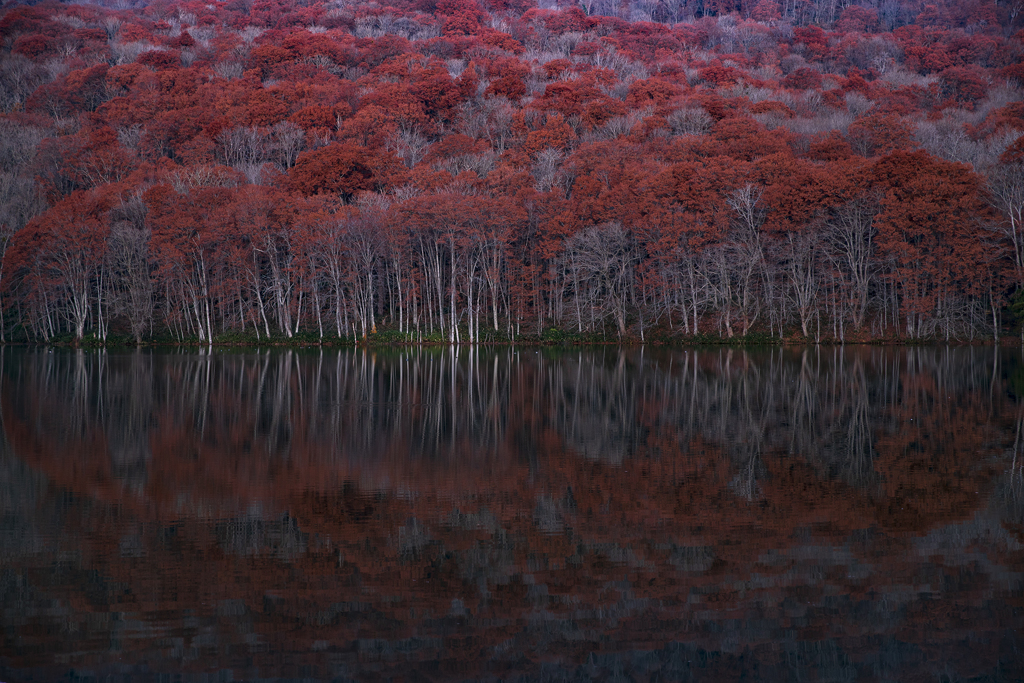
877 134
930 230
337 169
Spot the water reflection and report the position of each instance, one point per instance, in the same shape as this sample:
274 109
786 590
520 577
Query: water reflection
839 514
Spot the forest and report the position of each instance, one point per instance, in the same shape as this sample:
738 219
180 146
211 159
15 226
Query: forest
468 171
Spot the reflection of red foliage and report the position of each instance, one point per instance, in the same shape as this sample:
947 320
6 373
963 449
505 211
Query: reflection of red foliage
239 528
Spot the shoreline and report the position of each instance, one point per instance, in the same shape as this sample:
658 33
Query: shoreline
750 341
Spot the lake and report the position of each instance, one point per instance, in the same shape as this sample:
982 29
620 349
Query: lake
648 514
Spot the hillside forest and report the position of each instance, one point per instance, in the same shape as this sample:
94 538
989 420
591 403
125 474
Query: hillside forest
470 171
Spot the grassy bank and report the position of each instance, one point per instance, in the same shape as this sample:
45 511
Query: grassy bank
552 336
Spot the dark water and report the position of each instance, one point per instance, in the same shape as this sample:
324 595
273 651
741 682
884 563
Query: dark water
837 515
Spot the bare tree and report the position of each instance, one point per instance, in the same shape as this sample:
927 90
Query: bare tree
685 274
245 149
229 69
410 145
19 77
18 144
73 273
1006 195
851 233
128 252
801 256
130 136
742 260
112 26
20 201
603 259
545 169
286 141
490 119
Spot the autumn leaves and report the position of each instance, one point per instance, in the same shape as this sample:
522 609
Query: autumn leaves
466 176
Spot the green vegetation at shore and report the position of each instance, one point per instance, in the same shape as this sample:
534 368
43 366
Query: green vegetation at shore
552 336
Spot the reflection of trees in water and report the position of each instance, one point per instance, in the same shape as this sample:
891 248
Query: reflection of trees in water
21 490
448 405
594 399
125 403
1010 488
826 405
540 566
250 534
88 400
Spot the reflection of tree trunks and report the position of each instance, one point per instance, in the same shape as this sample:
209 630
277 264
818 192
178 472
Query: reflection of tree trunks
837 410
1012 498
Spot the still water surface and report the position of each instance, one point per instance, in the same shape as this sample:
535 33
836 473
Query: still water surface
512 514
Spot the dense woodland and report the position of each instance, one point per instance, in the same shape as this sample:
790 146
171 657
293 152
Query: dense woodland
467 171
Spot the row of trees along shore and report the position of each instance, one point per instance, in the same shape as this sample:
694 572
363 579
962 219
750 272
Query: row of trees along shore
467 172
